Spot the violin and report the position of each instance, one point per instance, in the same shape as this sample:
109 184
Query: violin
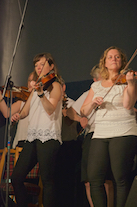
45 80
21 93
121 79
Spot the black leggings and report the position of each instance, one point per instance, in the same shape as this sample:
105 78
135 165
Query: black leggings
119 152
33 152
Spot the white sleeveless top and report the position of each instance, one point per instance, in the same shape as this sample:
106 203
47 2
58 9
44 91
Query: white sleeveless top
21 133
41 125
112 119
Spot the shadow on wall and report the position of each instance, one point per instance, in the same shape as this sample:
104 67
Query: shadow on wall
75 89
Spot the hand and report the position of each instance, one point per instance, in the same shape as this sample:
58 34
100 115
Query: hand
32 85
98 100
83 122
1 98
131 79
0 95
15 117
64 112
39 88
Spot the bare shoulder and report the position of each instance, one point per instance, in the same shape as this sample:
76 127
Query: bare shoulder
56 85
56 88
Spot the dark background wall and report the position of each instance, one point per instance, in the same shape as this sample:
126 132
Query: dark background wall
75 32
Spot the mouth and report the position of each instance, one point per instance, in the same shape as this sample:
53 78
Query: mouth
39 72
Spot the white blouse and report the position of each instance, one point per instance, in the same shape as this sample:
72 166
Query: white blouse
112 119
41 125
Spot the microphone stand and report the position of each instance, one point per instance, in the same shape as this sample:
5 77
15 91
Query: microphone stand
9 84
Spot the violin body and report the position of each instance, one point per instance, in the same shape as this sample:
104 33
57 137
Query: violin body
45 81
21 93
121 78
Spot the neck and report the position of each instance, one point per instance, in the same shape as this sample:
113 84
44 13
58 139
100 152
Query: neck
112 74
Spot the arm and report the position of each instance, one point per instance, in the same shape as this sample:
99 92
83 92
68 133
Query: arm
90 103
130 92
5 110
3 107
24 112
55 96
73 115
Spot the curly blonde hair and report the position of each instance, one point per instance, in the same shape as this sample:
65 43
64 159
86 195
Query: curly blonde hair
104 71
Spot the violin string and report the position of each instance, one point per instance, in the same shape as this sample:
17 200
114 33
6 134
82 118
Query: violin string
23 89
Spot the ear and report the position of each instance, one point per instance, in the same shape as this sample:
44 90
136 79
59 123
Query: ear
52 66
64 87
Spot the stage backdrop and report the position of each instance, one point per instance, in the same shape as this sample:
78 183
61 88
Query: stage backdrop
75 32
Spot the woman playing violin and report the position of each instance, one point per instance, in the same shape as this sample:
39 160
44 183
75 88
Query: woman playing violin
21 132
44 133
115 135
17 105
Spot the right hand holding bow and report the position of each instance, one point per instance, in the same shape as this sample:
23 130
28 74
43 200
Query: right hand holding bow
15 117
97 101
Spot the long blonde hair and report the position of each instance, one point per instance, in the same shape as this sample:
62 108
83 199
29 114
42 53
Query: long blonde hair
104 71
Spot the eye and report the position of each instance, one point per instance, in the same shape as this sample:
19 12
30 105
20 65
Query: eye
117 56
109 57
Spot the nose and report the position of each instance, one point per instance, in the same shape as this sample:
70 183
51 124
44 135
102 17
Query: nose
39 66
113 58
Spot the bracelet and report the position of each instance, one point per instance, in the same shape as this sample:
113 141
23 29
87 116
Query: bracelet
41 95
1 100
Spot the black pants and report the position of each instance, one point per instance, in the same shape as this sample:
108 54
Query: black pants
119 152
44 153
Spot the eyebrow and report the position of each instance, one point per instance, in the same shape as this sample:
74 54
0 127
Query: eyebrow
114 55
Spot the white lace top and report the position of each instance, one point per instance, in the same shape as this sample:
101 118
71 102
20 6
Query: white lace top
41 125
112 119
